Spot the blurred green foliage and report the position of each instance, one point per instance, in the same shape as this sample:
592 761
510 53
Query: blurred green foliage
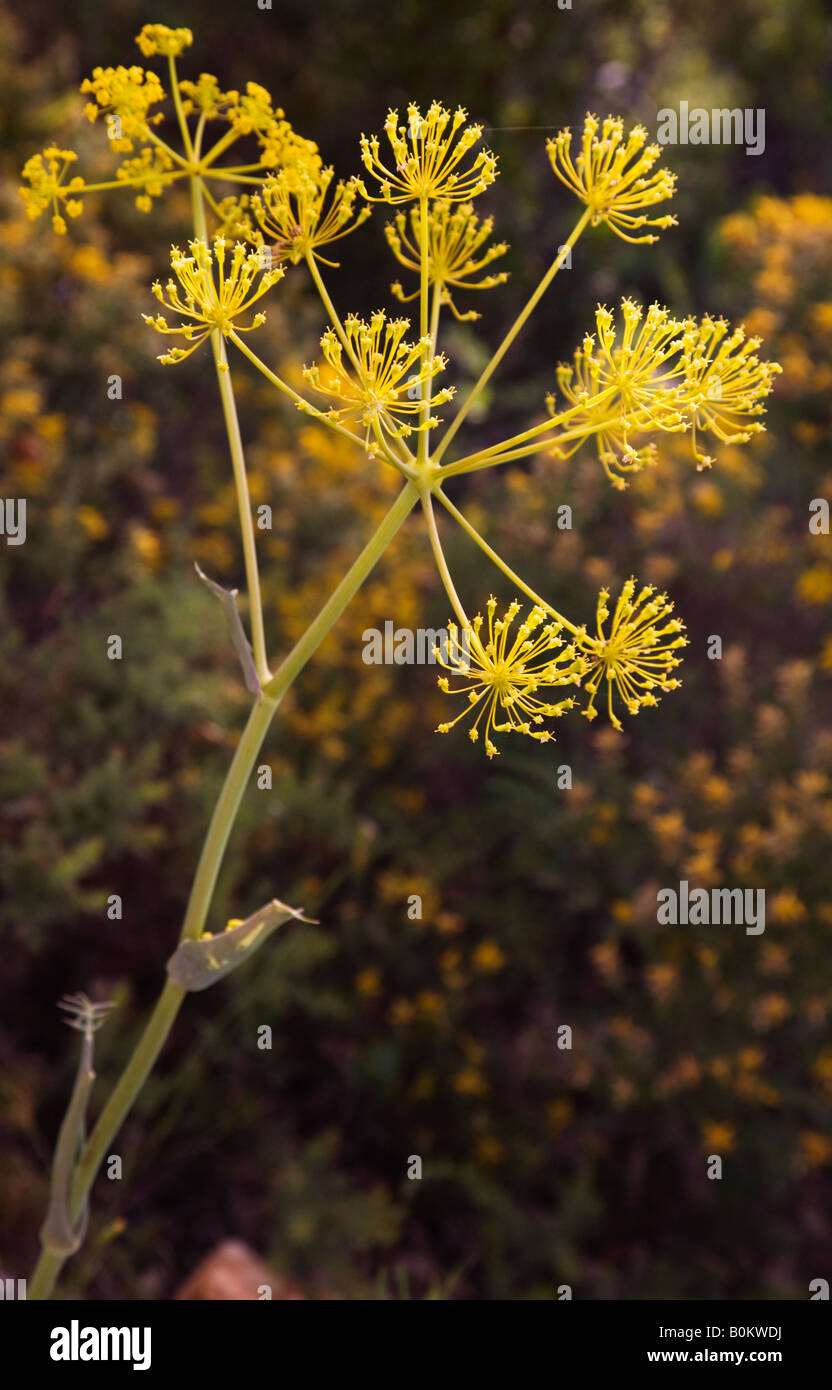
436 1037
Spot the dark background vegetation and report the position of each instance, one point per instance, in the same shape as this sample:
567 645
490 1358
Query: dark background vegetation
437 1037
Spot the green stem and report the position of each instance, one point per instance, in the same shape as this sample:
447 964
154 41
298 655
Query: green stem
576 437
512 334
441 562
200 128
132 183
238 464
312 262
163 145
216 150
338 600
180 114
424 332
109 1122
293 395
229 176
320 415
499 561
159 1025
495 453
225 813
434 319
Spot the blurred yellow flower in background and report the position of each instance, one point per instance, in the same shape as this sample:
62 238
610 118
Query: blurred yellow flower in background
718 1137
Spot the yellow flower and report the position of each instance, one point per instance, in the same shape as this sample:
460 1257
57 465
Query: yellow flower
606 957
470 1082
502 678
205 96
787 908
559 1112
662 980
158 38
128 93
725 382
291 209
637 657
46 176
488 1149
612 175
401 1012
664 374
430 1004
428 152
145 173
750 1058
822 1066
235 221
816 1149
456 239
95 525
368 982
251 113
146 546
280 145
383 383
89 264
211 304
814 585
769 1010
625 388
488 957
718 1137
21 402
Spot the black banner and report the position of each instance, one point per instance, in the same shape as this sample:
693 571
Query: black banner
87 1342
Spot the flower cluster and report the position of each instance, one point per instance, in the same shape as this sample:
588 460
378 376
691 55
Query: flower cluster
613 177
292 209
384 383
48 186
639 653
725 383
428 155
664 374
457 250
159 39
213 294
648 374
619 389
250 113
127 94
253 114
145 174
502 673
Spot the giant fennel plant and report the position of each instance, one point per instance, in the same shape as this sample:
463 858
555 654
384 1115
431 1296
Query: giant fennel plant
381 383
